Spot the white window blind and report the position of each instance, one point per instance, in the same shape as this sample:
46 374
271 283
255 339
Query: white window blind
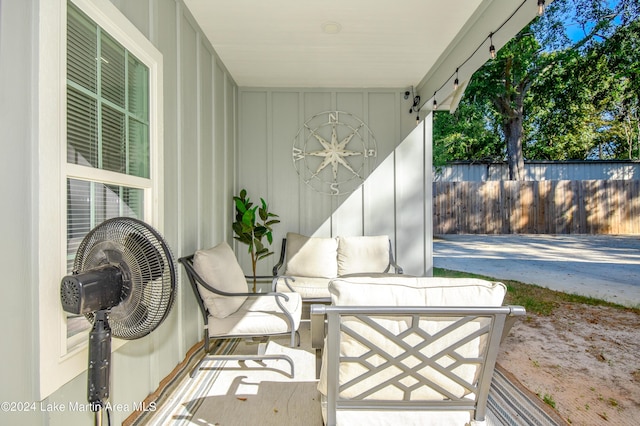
108 136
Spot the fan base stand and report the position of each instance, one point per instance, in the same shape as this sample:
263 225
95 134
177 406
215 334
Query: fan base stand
99 364
98 417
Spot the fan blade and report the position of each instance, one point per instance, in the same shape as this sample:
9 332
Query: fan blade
146 254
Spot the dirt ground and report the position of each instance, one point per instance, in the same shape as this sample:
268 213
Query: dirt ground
583 360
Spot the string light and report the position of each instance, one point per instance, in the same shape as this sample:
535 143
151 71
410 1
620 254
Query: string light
492 48
492 52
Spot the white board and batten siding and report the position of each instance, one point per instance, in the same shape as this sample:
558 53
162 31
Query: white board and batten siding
392 199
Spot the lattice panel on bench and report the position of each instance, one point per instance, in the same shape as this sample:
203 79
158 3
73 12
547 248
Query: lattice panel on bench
412 358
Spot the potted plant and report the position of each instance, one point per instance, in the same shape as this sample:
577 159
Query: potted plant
252 224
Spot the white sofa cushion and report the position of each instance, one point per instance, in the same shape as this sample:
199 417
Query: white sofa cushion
311 256
358 255
307 287
219 268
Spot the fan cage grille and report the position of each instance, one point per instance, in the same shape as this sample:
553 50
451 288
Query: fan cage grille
148 270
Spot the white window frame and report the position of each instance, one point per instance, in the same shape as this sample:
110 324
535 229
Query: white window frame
58 364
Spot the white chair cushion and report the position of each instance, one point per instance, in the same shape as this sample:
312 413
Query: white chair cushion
259 315
404 418
358 255
219 267
311 256
399 290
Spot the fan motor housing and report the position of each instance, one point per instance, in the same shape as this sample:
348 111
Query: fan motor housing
92 290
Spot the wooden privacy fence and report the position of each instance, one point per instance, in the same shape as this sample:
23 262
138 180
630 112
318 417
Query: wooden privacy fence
542 207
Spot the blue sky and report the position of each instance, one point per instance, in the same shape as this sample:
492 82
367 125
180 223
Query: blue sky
575 30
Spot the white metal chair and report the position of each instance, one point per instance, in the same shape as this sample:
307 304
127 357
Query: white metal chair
408 364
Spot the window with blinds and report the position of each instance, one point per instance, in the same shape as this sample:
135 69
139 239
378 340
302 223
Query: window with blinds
108 143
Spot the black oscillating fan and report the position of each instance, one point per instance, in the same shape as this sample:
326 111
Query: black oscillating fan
124 282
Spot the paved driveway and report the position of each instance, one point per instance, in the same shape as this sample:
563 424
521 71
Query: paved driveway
606 267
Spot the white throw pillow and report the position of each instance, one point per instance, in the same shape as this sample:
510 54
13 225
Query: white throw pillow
311 256
219 267
358 255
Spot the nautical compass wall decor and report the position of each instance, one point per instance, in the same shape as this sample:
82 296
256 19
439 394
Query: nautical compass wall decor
333 152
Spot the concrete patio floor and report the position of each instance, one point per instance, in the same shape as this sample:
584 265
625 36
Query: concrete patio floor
602 266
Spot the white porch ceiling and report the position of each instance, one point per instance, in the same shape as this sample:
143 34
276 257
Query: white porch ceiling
356 43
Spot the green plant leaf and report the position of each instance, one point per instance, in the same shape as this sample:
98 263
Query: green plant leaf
249 218
259 231
238 229
240 206
265 255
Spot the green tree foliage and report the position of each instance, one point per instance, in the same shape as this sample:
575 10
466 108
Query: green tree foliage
622 111
565 87
467 134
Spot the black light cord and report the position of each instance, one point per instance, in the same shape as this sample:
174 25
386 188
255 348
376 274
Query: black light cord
455 74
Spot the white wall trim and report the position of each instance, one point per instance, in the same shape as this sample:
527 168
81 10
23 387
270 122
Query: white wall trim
57 364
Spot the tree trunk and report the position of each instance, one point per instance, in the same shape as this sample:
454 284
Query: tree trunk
511 106
515 159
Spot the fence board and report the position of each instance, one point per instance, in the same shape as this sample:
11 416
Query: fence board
529 207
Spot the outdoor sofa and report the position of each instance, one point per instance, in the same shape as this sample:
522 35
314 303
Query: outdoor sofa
310 263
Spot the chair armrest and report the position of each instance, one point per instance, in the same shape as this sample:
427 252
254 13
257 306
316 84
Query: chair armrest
516 311
278 265
317 326
318 333
194 277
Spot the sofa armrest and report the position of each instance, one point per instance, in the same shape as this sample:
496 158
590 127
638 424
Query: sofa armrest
392 261
277 266
397 268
